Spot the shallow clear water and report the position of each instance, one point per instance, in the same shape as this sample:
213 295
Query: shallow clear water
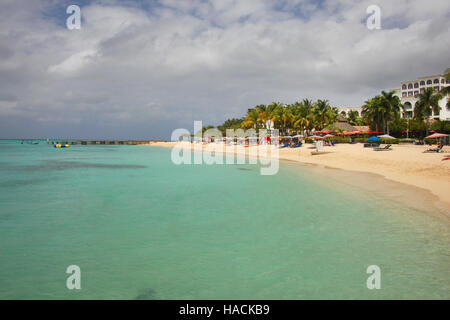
140 227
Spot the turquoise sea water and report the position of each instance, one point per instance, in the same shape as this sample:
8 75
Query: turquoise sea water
140 227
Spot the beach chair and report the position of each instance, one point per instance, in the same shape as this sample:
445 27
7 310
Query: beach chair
434 150
297 145
284 145
385 148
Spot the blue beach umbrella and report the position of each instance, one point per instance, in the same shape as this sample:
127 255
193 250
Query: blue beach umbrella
374 138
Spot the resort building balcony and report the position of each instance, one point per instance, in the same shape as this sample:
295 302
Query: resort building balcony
410 89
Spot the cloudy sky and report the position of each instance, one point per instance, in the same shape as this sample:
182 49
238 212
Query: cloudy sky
140 69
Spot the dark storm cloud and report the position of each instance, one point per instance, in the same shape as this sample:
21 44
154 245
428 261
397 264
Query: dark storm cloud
142 69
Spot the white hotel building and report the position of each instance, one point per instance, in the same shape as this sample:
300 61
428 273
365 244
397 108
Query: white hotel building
410 89
407 94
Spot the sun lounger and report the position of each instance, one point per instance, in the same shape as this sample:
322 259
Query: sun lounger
433 150
297 145
385 148
284 145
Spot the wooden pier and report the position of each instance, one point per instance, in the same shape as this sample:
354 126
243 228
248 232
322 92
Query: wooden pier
102 142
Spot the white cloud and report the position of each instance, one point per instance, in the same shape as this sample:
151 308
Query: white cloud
75 62
208 60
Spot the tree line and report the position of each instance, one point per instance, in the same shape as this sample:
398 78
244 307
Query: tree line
380 113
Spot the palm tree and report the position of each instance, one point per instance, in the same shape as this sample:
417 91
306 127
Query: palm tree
251 120
373 111
286 119
262 115
301 123
322 112
332 115
273 113
352 117
307 106
391 104
428 102
445 91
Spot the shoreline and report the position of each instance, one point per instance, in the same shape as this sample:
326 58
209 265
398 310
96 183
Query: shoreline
405 164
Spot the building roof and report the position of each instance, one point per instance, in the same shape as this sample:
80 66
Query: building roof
344 126
434 76
425 77
362 128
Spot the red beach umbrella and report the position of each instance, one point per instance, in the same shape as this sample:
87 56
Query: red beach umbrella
437 135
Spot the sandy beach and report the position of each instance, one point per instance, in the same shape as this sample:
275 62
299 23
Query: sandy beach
406 164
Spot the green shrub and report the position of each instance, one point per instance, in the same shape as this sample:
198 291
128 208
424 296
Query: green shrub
405 140
432 141
340 139
389 141
441 126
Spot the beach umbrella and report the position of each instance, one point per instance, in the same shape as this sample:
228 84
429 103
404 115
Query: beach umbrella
373 139
328 136
315 137
386 136
349 133
437 135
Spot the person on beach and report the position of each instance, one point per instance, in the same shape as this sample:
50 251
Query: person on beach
437 149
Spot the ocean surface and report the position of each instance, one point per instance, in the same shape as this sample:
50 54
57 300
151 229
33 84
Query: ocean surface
140 227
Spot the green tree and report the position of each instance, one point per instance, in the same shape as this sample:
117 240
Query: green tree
374 112
353 118
322 113
230 124
445 91
391 105
251 119
428 102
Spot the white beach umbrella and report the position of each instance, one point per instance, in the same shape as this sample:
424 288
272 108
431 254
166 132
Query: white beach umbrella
386 136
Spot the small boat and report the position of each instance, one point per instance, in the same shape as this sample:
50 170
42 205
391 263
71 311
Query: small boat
58 145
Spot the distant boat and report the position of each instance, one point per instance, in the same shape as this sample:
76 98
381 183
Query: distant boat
58 145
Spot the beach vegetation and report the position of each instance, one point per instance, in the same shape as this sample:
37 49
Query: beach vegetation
300 117
441 126
235 123
381 110
445 91
427 104
381 113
